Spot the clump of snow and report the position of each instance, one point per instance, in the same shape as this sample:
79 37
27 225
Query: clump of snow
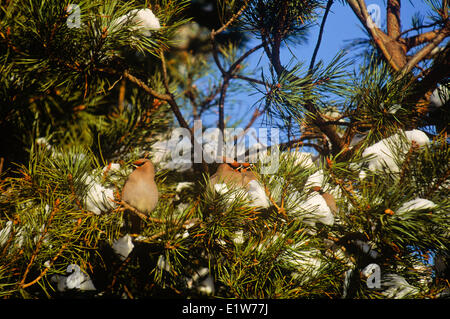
397 287
42 141
111 168
416 204
267 242
307 262
440 96
254 192
315 179
221 188
202 281
312 210
257 194
202 272
182 207
382 154
207 286
417 136
115 172
238 238
183 185
20 234
231 194
303 159
318 209
76 279
394 108
98 197
143 19
162 264
392 285
5 232
123 246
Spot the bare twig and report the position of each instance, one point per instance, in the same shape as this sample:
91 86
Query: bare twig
244 56
142 85
419 39
171 100
122 95
299 142
248 79
425 51
227 75
319 38
141 215
417 28
393 18
2 160
360 10
126 206
274 56
231 20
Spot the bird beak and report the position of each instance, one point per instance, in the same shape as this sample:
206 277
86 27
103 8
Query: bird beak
138 163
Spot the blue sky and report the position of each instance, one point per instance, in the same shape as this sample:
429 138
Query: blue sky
342 25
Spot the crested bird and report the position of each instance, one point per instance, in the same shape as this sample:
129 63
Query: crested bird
233 173
226 174
140 190
329 199
239 175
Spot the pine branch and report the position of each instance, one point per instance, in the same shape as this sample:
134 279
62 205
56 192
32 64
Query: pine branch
417 28
380 38
171 100
412 42
24 285
440 36
393 18
146 218
39 243
336 141
230 21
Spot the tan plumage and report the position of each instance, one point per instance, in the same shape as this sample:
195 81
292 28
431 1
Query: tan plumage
240 176
329 199
226 174
140 190
330 202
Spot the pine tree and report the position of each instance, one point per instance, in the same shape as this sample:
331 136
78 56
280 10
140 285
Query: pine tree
89 86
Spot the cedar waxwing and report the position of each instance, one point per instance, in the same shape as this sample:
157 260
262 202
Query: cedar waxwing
226 174
233 173
238 175
331 203
140 190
